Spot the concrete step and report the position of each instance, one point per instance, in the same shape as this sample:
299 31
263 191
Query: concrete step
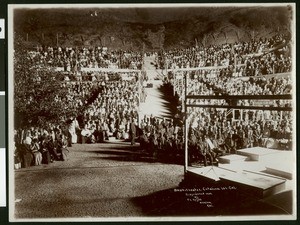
279 170
247 182
257 153
232 158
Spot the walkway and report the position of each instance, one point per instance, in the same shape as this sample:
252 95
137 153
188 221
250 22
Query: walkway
156 102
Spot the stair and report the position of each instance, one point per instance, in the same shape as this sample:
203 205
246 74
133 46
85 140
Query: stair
232 158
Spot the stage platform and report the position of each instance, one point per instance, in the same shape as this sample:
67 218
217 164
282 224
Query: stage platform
209 172
240 166
251 183
282 164
257 153
256 184
258 171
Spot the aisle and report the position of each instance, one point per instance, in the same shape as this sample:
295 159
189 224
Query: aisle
155 103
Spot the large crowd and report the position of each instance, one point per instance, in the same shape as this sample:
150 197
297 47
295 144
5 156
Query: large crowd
214 132
75 58
248 86
162 138
110 103
254 58
220 135
111 100
111 112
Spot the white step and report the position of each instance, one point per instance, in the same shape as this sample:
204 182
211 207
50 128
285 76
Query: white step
232 158
257 153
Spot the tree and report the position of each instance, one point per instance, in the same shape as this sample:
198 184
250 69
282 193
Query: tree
39 95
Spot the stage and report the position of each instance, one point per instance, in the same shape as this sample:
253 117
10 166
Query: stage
258 172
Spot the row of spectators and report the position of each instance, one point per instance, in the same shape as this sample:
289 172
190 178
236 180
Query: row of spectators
78 93
212 134
97 76
162 138
206 84
109 104
269 63
35 146
112 111
257 86
259 129
252 58
252 86
74 58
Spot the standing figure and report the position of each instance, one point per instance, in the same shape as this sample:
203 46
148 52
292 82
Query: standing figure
132 130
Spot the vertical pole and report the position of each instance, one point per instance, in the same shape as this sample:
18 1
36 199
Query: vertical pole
183 85
241 113
186 163
139 96
233 115
57 39
26 36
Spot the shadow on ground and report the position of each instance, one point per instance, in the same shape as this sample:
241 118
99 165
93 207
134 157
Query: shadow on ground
135 154
172 102
174 203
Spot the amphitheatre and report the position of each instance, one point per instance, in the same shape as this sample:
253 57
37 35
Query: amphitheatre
152 113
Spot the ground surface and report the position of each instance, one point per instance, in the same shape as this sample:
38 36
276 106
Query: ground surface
117 180
98 180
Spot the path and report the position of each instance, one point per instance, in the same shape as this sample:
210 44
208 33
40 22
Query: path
156 102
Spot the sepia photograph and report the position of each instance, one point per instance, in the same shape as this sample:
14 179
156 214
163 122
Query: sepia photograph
151 112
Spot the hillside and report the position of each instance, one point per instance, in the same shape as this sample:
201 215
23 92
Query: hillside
155 28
